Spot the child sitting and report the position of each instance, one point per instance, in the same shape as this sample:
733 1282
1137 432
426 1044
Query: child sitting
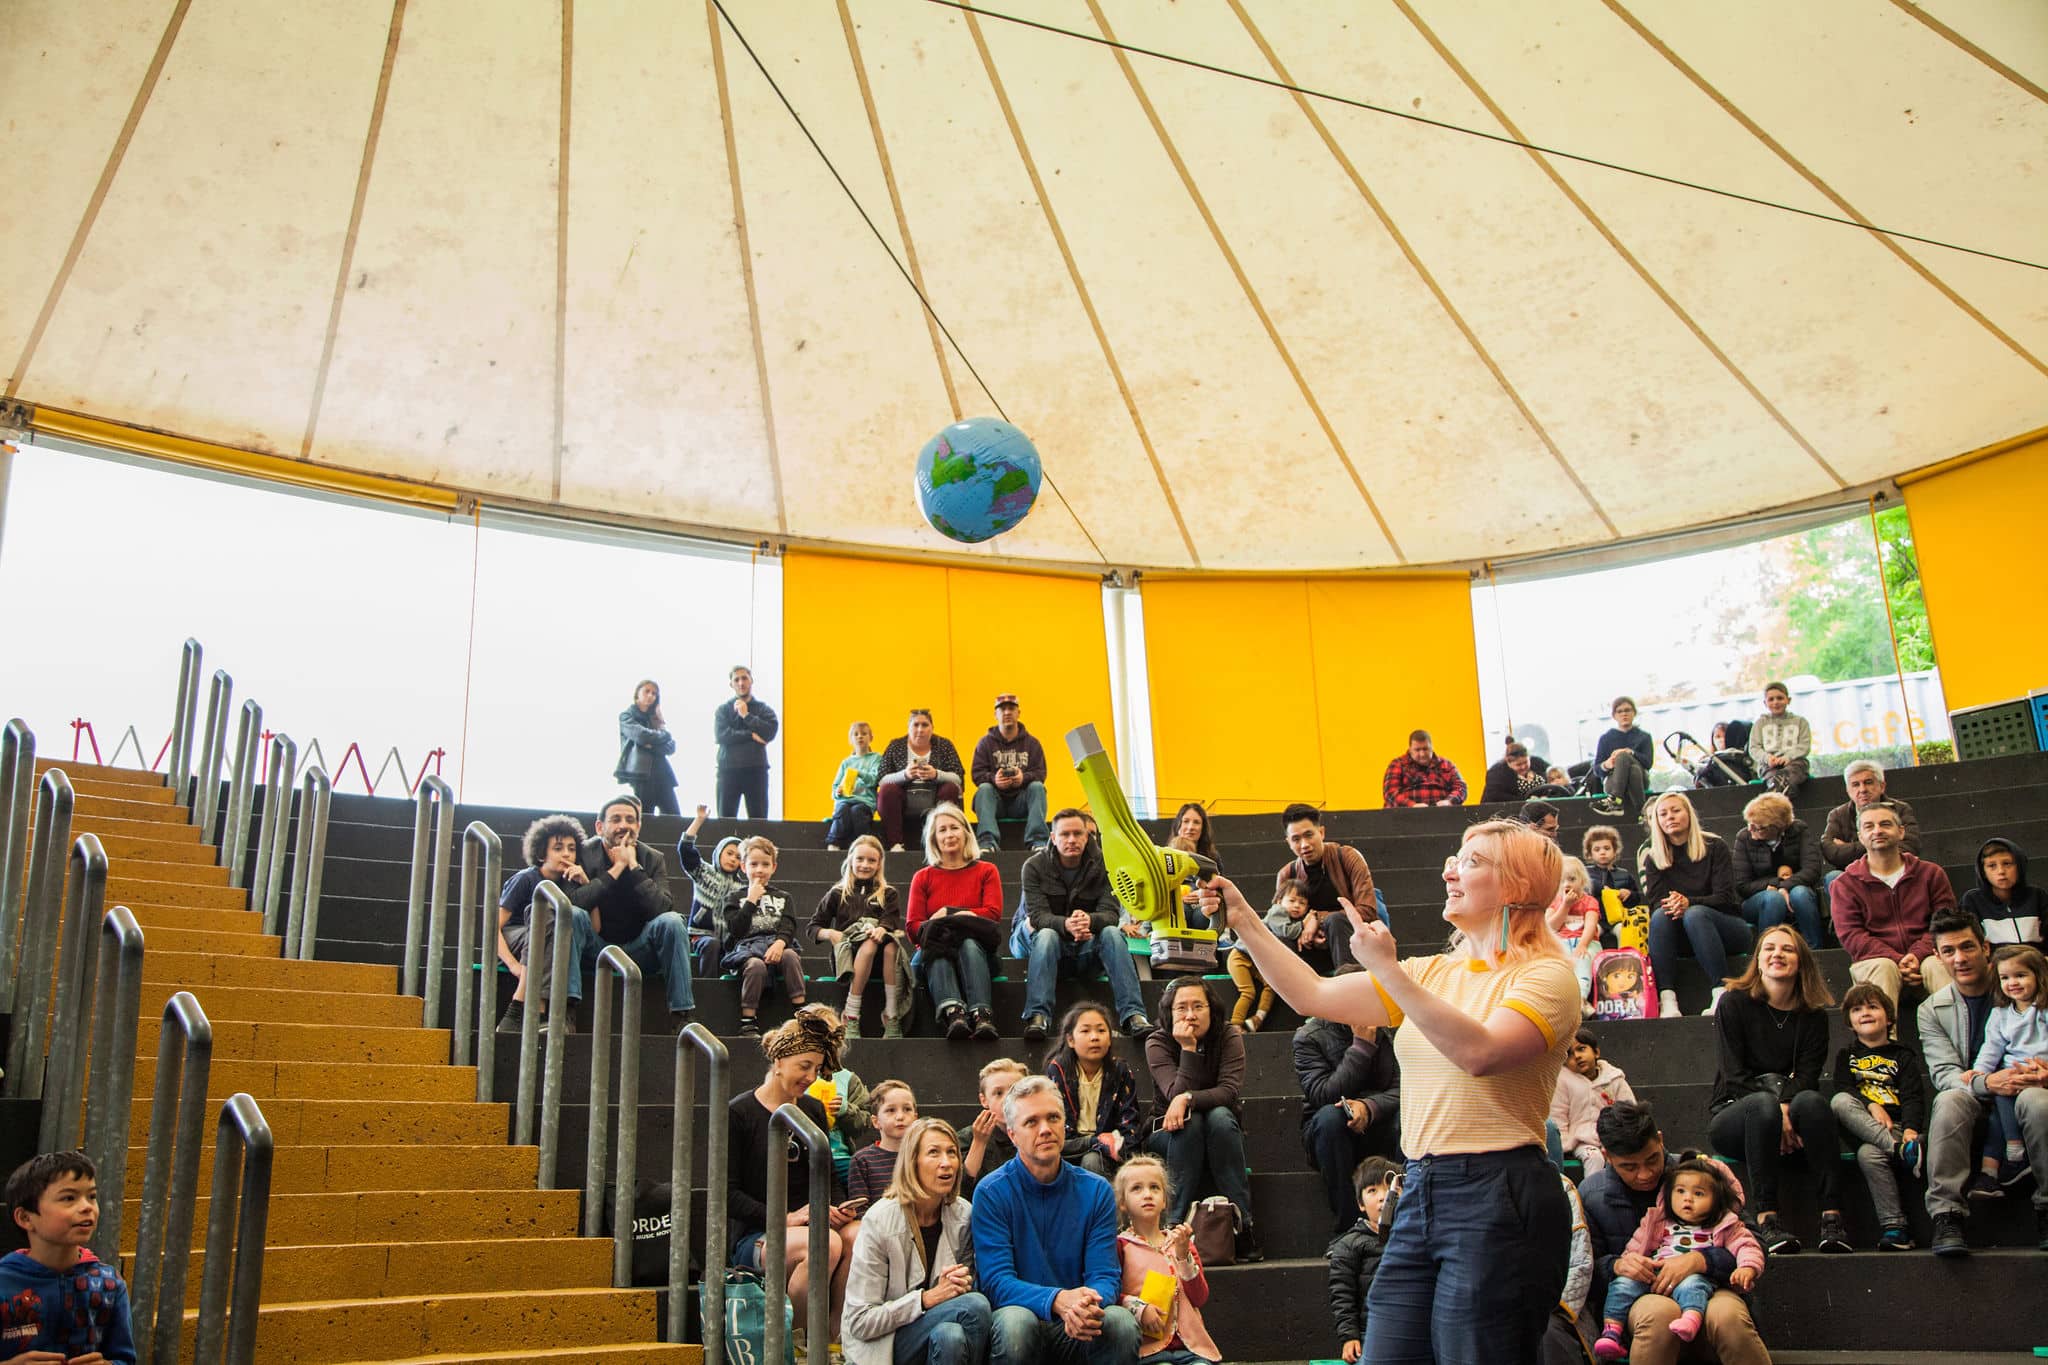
874 1165
853 789
1880 1099
1698 1209
1575 1112
985 1143
849 1112
1616 888
1098 1088
1610 1086
761 936
1779 743
1355 1256
1292 921
57 1302
2016 1036
2010 910
1575 918
1163 1284
711 881
862 918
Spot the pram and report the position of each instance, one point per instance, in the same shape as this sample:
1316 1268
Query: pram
1729 766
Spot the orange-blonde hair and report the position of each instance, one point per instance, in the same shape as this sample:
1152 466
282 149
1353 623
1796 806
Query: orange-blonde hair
1529 868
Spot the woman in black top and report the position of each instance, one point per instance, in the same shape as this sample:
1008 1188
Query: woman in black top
1196 1057
805 1047
644 746
920 771
1772 1033
1689 885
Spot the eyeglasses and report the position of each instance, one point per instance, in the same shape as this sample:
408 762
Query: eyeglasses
1191 1008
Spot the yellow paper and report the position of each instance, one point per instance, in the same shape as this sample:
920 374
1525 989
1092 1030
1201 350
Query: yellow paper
1158 1290
825 1092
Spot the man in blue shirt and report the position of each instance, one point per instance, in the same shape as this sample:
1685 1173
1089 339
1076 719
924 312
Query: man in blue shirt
1045 1246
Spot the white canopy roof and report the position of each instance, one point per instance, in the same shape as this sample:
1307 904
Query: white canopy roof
580 255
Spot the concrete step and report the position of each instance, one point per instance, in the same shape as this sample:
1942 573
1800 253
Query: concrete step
126 884
284 1005
186 873
267 1080
195 919
276 1042
340 1169
381 1270
315 1122
140 778
636 1354
172 847
195 970
151 830
403 1215
159 939
137 809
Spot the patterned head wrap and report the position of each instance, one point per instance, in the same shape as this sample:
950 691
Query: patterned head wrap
812 1030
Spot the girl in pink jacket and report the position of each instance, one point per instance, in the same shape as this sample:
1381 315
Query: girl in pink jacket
1699 1208
1169 1307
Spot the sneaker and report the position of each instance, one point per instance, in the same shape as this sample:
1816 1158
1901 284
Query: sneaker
1714 1000
852 1028
1255 1022
989 847
678 1020
1948 1235
1834 1234
1777 1238
1912 1157
1610 1346
514 1017
1895 1239
985 1030
954 1020
750 1026
1606 805
833 848
1667 1004
895 848
2011 1173
1137 1025
1984 1185
1036 1026
568 1020
1038 848
892 1028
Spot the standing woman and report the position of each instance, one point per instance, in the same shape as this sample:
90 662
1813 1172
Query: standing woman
644 746
910 1297
1689 880
1475 1261
955 919
1771 1028
1197 1062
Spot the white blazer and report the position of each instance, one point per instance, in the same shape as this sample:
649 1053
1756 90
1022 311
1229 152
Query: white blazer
887 1278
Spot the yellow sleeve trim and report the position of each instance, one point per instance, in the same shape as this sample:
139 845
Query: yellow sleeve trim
1531 1013
1394 1014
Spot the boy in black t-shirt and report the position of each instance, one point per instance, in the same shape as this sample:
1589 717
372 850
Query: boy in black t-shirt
551 845
761 935
1880 1099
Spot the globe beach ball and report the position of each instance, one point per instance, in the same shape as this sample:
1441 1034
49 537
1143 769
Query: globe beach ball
977 479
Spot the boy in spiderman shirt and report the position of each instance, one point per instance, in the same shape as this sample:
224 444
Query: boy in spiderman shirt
59 1305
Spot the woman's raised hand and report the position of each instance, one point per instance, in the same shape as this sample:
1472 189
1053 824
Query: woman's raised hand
1372 943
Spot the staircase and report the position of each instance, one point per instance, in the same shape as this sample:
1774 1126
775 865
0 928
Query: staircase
402 1226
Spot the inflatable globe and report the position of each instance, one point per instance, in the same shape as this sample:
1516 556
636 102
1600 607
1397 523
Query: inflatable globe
977 479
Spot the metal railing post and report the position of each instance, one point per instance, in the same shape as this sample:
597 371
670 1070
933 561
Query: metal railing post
427 896
234 841
17 787
206 778
182 717
170 1178
774 1255
242 1141
42 913
110 1084
476 949
302 924
85 900
551 937
614 962
273 835
682 1155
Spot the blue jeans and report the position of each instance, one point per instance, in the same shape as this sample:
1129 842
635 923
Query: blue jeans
1767 908
1711 934
1019 1336
952 1333
1026 803
850 820
1335 1151
663 947
1050 952
1474 1264
1692 1294
944 978
1210 1143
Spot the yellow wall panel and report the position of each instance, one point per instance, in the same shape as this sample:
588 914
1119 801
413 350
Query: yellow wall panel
1981 573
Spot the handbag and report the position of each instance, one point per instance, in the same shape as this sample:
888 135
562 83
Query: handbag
1214 1223
746 1319
653 1213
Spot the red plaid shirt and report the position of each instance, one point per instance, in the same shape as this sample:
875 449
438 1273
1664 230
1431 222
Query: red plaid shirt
1408 783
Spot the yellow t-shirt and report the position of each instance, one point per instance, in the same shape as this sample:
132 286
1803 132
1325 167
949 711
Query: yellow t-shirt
1447 1110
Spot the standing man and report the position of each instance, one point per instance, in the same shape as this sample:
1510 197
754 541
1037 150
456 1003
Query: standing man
1350 1102
1045 1246
1421 778
1009 780
1882 907
743 727
1839 844
626 893
1330 874
1072 922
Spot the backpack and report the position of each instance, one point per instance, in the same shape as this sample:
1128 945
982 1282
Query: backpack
1615 994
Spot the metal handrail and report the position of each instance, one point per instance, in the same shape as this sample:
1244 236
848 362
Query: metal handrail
206 778
183 715
273 835
43 911
110 1087
17 785
614 962
170 1177
476 941
551 935
85 900
427 896
309 861
682 1155
774 1254
234 840
242 1141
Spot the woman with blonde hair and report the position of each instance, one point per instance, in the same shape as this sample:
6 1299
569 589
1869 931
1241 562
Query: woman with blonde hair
955 919
1473 1265
1689 886
1778 868
910 1296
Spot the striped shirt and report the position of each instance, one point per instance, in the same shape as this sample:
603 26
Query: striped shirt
1447 1110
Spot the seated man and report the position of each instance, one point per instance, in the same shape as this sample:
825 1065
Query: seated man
1045 1247
1421 777
1009 780
1073 925
1882 906
1839 844
626 894
551 845
1621 763
1952 1022
1350 1103
1616 1197
1330 874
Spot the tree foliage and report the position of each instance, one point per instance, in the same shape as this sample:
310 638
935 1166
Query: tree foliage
1831 587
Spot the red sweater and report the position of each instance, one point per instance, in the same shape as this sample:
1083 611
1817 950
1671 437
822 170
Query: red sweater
977 887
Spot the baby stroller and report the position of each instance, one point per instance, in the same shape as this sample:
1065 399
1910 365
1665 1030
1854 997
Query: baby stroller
1728 765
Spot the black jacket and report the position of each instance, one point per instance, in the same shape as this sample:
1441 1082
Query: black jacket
623 905
1710 881
2017 920
1052 891
643 750
1503 785
738 751
1757 864
1354 1260
1907 1100
1332 1064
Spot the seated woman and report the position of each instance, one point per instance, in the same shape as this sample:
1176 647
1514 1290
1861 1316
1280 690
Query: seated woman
1197 1065
910 1297
1772 1031
1097 1087
1729 764
920 771
1518 777
1778 868
955 919
1689 881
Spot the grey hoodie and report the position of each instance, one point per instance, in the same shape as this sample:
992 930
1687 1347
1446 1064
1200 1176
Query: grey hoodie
710 884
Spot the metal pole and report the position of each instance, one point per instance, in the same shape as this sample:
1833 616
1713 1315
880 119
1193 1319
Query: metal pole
206 781
614 962
17 787
774 1256
110 1087
540 929
163 1231
85 899
302 924
434 958
696 1038
180 770
242 791
242 1141
273 836
558 1039
425 870
476 949
42 915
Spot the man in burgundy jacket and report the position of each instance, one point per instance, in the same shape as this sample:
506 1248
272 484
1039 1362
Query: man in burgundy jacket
1882 904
